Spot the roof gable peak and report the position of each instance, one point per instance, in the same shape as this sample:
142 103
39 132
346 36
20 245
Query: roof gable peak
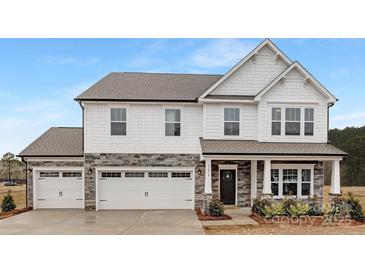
264 43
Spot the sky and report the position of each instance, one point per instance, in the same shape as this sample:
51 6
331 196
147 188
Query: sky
39 78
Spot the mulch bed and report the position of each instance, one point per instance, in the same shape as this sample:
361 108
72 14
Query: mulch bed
8 214
304 220
207 217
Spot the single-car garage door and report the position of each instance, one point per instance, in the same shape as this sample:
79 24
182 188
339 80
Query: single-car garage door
145 190
59 189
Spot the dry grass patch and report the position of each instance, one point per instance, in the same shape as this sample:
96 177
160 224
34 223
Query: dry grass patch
357 191
18 193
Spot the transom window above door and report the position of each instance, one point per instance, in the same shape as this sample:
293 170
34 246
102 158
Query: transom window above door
172 122
231 121
118 121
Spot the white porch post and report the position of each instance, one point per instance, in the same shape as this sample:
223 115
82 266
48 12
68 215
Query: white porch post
335 177
267 178
253 180
208 176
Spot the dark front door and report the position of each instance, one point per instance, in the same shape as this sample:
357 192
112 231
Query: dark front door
228 186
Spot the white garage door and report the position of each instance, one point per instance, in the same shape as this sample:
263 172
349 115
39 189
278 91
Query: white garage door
145 190
59 189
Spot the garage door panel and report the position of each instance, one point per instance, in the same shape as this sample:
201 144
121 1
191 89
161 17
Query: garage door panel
62 191
156 192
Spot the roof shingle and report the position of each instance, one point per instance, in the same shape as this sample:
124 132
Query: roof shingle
149 86
57 141
246 147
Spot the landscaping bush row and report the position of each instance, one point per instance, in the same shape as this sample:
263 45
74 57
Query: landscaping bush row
293 207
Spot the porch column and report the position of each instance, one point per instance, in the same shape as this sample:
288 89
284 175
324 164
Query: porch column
335 178
208 176
267 178
253 180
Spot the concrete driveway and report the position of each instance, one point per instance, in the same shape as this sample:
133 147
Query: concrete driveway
134 222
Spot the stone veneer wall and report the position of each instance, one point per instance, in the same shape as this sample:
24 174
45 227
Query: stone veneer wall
243 182
93 160
32 164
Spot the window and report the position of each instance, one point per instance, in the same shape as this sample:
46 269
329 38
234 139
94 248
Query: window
308 121
134 174
275 182
157 174
118 121
71 174
290 181
111 174
276 121
292 121
49 174
172 122
231 121
180 174
306 182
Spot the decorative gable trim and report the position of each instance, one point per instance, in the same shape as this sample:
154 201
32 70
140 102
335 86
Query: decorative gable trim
307 78
266 42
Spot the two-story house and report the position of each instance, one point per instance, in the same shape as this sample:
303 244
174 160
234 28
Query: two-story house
170 141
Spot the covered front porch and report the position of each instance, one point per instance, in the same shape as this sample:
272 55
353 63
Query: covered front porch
248 169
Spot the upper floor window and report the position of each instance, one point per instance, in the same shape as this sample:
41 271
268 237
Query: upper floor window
276 121
231 121
118 121
308 121
292 121
172 122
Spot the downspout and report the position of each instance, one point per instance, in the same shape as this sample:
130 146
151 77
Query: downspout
26 181
82 107
328 118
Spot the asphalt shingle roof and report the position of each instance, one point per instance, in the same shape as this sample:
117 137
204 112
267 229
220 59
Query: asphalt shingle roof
246 147
149 86
57 141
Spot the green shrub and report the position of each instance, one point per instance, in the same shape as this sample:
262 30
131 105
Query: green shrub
355 209
216 207
8 203
288 202
259 205
275 209
298 209
315 207
339 208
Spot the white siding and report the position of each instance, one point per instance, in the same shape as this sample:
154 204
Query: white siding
252 76
214 121
145 129
292 92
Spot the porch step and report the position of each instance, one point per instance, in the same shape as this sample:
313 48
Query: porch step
230 207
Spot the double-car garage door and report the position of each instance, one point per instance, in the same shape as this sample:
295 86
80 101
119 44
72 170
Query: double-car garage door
116 189
143 189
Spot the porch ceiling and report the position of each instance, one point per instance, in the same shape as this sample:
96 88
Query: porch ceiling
250 147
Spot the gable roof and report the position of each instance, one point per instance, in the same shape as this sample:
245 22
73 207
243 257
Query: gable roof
131 86
296 65
56 141
266 42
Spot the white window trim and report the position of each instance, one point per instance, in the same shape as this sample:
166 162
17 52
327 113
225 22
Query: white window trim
299 167
164 120
305 121
283 120
239 123
126 121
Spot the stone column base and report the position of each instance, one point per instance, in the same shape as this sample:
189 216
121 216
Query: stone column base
332 197
207 197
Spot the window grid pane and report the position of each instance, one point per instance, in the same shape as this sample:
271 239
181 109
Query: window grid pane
172 115
118 114
309 114
231 114
232 128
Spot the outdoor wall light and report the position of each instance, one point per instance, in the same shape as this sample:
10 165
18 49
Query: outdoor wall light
90 171
199 172
29 171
